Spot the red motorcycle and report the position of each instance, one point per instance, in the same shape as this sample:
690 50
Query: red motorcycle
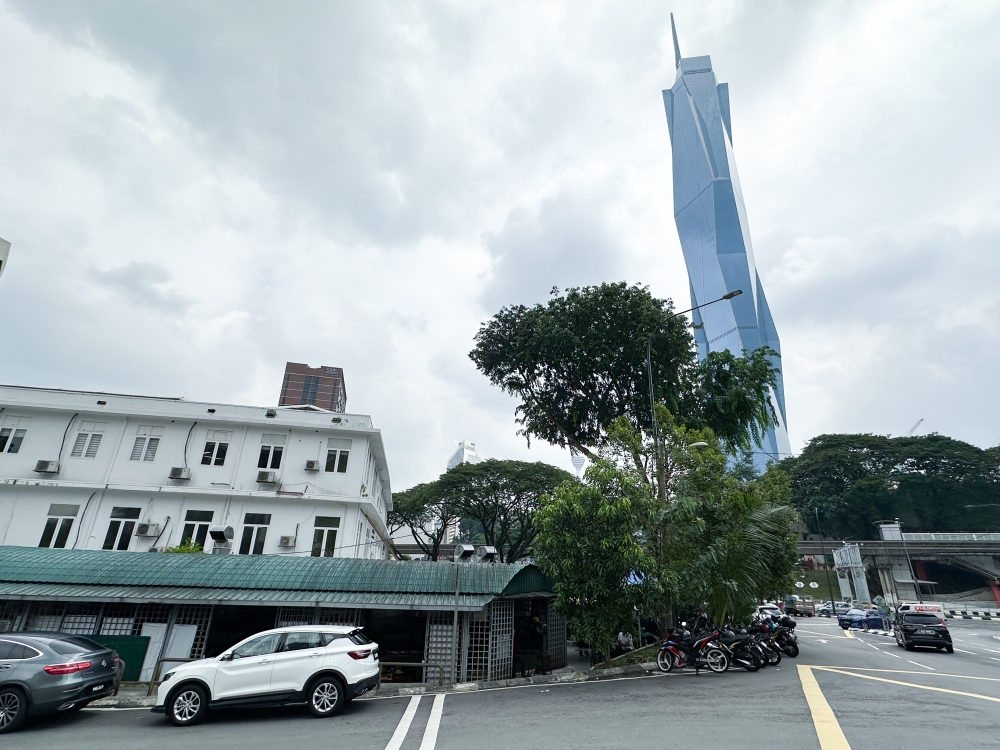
681 650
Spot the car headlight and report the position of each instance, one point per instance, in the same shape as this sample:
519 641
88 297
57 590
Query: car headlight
167 676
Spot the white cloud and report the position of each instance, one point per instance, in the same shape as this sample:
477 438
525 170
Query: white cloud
197 193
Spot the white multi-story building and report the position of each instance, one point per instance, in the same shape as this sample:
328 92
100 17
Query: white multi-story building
89 470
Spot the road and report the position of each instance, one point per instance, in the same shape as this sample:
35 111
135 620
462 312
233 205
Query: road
879 696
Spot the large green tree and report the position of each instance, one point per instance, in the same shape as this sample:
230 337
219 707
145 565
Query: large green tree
500 497
590 543
428 513
503 497
927 481
578 363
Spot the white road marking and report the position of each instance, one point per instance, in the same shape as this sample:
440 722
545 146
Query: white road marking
433 723
922 665
963 651
994 658
892 654
396 741
821 640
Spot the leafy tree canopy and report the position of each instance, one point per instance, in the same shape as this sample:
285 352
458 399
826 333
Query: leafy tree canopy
579 362
500 496
926 481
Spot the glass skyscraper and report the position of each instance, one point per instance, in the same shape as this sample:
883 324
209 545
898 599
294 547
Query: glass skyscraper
712 225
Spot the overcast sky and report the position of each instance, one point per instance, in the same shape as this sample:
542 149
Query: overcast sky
198 191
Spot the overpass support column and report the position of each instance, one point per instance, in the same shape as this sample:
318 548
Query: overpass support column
995 588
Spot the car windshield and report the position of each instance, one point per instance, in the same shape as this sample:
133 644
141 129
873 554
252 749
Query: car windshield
74 645
921 619
359 638
856 612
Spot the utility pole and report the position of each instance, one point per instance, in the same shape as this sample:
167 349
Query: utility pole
829 583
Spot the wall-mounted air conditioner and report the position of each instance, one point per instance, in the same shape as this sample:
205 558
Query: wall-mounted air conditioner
286 541
180 472
312 465
147 529
47 467
267 477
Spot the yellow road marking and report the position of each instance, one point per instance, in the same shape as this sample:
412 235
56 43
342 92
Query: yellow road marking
848 634
898 682
908 671
828 731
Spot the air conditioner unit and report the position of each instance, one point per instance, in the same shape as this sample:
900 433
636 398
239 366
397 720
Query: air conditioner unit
286 541
312 465
47 467
180 472
267 477
147 529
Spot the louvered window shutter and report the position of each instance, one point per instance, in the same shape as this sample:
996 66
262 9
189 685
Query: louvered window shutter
151 449
93 445
81 440
140 443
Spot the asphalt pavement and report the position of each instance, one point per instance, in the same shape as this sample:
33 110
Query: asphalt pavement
853 690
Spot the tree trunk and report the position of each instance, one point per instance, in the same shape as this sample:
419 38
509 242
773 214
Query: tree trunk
607 655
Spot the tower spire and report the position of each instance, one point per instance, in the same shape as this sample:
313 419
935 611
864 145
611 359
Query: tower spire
677 47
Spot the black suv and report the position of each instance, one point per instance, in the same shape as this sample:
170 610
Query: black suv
45 672
917 629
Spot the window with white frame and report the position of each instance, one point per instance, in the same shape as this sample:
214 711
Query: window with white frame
216 448
325 536
196 523
254 533
58 525
337 453
120 528
88 439
12 432
146 442
271 447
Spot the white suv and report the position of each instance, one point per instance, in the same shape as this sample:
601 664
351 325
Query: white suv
320 665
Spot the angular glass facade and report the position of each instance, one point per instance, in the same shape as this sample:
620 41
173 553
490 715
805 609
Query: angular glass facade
712 225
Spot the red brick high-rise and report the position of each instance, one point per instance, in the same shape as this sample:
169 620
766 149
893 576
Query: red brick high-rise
320 386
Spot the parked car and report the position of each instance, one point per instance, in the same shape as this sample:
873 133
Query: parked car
838 608
921 629
866 619
323 666
46 672
769 610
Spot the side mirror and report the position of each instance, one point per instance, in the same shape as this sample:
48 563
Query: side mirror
226 657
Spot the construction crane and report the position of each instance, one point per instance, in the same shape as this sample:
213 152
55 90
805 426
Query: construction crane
914 428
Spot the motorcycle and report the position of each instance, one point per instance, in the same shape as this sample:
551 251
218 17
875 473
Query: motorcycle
741 649
680 649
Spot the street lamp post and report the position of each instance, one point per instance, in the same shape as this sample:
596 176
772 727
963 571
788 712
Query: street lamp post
652 401
829 583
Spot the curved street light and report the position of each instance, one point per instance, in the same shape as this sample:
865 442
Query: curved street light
649 373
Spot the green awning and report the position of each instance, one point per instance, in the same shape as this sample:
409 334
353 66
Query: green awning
97 575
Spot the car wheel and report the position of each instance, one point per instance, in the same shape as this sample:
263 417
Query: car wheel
326 696
188 705
13 709
950 649
908 646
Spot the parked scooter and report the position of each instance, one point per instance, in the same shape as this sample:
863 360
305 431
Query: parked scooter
681 649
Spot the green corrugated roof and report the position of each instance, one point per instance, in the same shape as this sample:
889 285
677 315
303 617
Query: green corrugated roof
97 574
